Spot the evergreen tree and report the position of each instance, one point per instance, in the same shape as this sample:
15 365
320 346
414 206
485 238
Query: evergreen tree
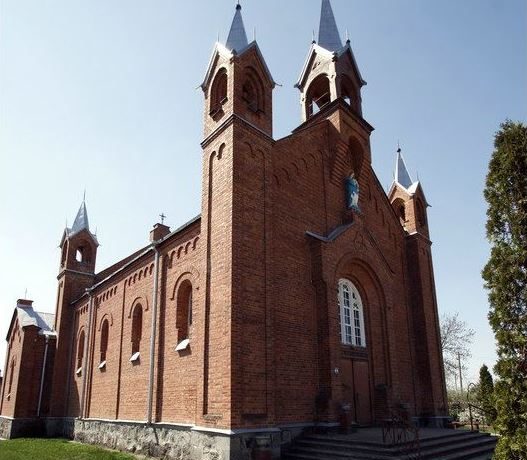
505 277
486 394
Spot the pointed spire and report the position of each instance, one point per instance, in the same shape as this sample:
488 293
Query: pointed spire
237 39
328 34
81 221
401 172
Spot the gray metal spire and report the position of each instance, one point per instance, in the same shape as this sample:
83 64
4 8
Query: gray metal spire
237 39
81 221
401 172
328 34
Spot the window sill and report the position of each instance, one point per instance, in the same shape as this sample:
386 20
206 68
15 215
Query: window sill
102 365
135 357
79 371
183 345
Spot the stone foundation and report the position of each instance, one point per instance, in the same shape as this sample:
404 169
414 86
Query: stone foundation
21 427
178 442
166 441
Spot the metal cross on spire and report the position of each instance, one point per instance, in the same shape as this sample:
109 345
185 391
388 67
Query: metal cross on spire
163 217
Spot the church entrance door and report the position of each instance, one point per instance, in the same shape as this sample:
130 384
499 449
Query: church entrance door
361 386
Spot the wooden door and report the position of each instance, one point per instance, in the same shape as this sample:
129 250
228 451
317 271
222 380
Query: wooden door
361 386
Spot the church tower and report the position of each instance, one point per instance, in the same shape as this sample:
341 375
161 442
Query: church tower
408 199
409 203
238 122
76 274
330 71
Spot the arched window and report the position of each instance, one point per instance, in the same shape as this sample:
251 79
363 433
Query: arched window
218 93
80 351
137 328
184 310
105 330
352 329
318 95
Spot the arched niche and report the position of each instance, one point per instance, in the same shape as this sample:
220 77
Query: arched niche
253 91
218 91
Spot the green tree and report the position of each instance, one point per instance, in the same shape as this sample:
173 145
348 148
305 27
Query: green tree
505 277
486 394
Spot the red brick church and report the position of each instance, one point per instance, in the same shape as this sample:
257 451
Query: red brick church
303 295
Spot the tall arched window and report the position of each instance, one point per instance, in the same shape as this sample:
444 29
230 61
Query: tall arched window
105 330
184 310
80 351
137 328
352 328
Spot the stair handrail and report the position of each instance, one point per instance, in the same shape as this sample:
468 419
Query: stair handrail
470 406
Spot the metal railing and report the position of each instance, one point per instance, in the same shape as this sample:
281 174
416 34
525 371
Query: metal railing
399 431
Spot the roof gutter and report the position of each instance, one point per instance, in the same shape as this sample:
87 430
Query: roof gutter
43 376
153 333
85 363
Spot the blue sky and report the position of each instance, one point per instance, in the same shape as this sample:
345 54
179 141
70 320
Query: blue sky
103 96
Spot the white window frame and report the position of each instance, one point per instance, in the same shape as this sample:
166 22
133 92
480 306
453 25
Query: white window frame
351 315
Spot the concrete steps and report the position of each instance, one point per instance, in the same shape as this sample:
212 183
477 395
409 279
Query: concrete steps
454 445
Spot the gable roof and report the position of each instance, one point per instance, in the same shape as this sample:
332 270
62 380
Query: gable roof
221 50
315 50
27 316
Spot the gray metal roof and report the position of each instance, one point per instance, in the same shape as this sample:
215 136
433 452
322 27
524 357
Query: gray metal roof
81 221
27 316
328 33
401 172
237 39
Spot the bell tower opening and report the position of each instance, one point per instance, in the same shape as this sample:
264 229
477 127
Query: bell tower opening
238 82
330 71
318 95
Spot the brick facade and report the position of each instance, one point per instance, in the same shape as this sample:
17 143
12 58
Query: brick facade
243 300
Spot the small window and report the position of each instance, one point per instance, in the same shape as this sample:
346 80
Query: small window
184 310
105 329
79 255
80 352
351 315
137 328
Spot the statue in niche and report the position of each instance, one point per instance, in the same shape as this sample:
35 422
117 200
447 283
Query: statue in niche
352 193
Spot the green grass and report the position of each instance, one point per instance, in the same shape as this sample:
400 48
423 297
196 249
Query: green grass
55 449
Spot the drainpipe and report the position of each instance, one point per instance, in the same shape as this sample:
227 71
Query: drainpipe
85 363
153 335
43 376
